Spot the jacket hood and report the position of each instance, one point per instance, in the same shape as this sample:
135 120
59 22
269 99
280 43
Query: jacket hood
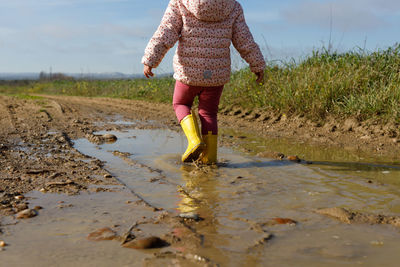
210 10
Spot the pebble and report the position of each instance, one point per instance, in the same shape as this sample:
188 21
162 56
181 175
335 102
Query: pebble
22 206
107 176
2 244
190 215
284 221
146 243
25 214
20 197
105 233
293 158
38 208
109 137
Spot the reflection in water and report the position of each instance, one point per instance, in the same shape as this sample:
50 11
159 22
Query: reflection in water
239 198
199 189
368 166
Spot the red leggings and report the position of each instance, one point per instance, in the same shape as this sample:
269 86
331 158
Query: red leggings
208 104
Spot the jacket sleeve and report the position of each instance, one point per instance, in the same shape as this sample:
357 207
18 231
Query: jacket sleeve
165 37
244 43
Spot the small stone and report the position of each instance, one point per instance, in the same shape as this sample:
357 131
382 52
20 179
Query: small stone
25 214
38 208
190 215
283 221
365 137
19 197
293 158
105 233
2 244
22 206
110 137
107 175
146 243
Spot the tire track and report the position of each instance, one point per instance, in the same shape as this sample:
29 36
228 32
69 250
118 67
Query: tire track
6 118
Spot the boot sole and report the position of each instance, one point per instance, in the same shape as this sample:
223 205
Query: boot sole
194 154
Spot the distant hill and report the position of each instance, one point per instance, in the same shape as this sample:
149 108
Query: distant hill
19 76
94 76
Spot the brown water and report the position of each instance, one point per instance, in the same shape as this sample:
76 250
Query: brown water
234 200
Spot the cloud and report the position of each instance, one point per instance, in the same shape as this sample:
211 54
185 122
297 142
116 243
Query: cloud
6 31
73 32
346 15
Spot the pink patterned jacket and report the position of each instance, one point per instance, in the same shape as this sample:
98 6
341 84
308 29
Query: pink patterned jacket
205 30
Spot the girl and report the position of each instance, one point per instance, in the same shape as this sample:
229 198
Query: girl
205 30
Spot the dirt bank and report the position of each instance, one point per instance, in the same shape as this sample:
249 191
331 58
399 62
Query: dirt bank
350 134
36 151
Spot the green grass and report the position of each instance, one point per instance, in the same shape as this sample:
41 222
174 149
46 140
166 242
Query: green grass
27 97
158 90
352 84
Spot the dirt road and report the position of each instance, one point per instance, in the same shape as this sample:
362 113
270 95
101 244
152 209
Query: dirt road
36 152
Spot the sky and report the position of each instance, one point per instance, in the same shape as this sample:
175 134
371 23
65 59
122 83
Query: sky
93 36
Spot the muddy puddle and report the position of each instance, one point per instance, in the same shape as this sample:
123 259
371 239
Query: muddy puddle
253 211
342 161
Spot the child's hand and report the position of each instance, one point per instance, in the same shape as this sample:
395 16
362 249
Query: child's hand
147 71
260 77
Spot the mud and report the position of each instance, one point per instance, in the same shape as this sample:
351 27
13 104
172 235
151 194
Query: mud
77 165
36 152
347 216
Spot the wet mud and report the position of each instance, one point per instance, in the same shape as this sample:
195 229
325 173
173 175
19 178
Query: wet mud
93 182
351 217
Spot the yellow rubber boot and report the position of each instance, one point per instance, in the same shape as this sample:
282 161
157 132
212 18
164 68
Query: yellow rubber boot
209 155
195 143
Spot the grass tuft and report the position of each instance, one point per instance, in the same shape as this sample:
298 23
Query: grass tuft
355 83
